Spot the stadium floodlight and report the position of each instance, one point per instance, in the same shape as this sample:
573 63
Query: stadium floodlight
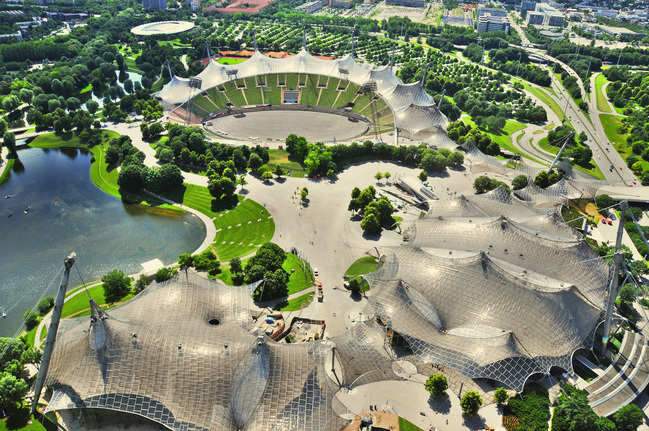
369 86
195 83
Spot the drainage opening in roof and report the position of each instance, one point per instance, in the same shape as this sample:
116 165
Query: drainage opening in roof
213 322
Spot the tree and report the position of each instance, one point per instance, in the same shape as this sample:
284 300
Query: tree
31 319
155 130
627 293
116 285
171 177
423 176
267 176
235 266
9 141
470 403
628 418
482 184
12 389
378 176
185 259
387 176
355 286
165 155
142 282
541 180
164 274
303 194
242 181
436 384
45 304
501 395
255 162
603 201
26 95
370 223
279 171
130 178
32 356
520 182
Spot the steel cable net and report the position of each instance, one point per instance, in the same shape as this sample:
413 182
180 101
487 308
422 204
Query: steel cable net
567 259
364 356
400 97
185 354
480 315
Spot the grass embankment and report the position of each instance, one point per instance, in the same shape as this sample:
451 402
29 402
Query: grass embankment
101 174
242 225
7 171
405 425
503 136
602 103
295 304
301 278
364 265
612 125
280 157
21 421
592 169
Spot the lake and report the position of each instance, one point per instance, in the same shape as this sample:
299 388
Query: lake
67 213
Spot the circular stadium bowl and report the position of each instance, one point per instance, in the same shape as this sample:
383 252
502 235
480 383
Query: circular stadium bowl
162 27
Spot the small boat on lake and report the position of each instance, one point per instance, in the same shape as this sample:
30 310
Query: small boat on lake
26 210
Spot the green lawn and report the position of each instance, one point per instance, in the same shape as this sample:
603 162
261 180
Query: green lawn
19 421
231 60
602 104
405 425
298 280
364 265
611 124
281 157
295 304
329 94
7 171
242 229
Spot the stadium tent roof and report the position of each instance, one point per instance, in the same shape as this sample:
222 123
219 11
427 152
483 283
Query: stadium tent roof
488 296
414 109
158 356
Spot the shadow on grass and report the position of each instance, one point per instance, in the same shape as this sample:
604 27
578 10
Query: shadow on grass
228 203
19 418
176 195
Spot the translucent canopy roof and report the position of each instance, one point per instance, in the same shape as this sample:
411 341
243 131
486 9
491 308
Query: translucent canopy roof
489 296
185 354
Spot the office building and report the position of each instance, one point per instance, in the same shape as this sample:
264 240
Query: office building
527 6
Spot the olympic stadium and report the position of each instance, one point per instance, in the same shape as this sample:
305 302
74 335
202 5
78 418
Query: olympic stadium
365 99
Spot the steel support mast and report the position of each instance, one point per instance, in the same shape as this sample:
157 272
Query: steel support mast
53 329
613 290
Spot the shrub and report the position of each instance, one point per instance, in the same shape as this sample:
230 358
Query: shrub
45 304
470 403
532 409
501 395
165 274
436 384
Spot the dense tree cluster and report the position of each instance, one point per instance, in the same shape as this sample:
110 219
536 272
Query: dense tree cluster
266 264
484 184
531 408
627 89
375 212
573 412
134 176
563 50
545 180
319 159
461 133
13 386
205 261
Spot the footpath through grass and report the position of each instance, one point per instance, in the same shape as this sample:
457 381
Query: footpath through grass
602 104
